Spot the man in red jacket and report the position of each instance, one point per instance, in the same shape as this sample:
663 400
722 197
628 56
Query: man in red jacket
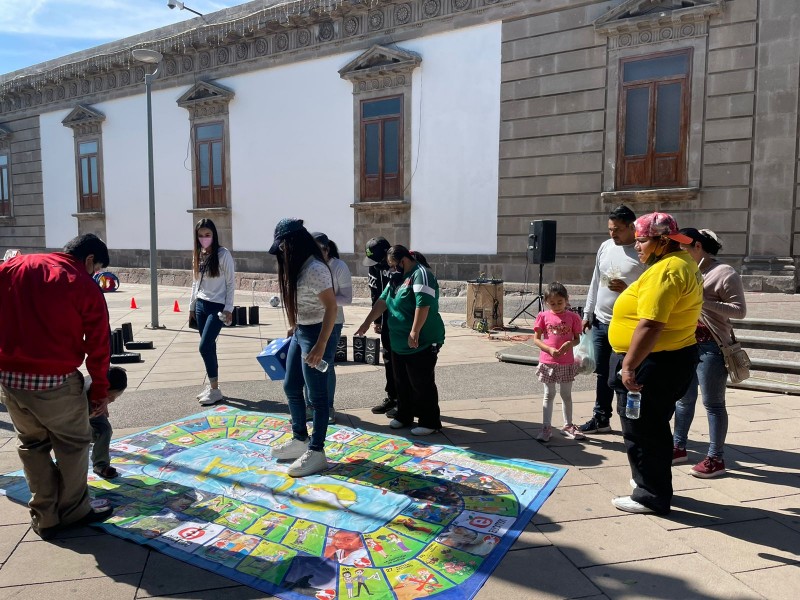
53 314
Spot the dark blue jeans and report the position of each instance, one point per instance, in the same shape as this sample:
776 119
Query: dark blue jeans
604 395
329 357
209 326
299 375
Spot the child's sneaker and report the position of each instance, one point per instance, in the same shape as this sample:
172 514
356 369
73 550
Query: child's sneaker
292 449
679 455
214 395
571 432
710 467
545 433
312 461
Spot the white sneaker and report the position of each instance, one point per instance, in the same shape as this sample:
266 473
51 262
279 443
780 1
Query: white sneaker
395 424
214 395
312 461
289 450
419 430
204 392
633 484
627 504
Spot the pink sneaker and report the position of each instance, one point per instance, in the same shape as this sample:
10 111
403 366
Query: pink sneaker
571 432
545 434
710 467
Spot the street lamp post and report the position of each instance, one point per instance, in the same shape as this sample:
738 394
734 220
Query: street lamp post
153 58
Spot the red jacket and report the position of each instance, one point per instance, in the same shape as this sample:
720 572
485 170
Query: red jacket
52 314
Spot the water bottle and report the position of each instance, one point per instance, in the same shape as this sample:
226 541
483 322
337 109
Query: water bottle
322 365
633 405
221 316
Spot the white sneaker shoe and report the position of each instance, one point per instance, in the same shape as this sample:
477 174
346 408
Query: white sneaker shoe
312 461
627 504
289 450
204 392
395 424
419 430
214 395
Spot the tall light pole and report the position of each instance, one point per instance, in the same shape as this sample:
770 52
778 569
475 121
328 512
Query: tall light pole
182 6
151 57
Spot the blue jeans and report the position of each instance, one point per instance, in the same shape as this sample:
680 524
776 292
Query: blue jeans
209 326
299 375
604 395
329 357
712 377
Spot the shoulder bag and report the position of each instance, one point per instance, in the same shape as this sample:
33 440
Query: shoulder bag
736 360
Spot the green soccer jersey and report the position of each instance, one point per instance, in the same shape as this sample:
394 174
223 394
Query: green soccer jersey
418 289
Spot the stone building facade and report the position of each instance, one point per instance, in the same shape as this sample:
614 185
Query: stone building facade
683 106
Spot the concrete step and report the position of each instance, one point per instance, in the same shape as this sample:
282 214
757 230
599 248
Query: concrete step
763 325
768 384
766 342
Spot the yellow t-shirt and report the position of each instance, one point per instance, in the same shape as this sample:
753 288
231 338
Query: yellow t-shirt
671 292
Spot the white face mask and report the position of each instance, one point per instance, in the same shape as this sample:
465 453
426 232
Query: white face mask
205 242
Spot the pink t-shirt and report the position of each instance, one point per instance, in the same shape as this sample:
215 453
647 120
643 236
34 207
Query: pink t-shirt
557 329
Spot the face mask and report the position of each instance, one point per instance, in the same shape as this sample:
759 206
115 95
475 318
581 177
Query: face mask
653 258
205 242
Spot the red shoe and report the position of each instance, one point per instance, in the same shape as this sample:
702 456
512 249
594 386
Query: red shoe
710 467
678 455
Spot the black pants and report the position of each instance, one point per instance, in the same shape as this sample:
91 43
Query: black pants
604 395
391 389
665 377
417 395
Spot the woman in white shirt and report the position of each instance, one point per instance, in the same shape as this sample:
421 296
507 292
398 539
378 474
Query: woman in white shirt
343 290
310 305
212 293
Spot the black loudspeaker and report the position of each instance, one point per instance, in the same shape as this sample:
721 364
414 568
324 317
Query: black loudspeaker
117 344
241 315
372 355
253 315
542 242
127 332
359 348
341 350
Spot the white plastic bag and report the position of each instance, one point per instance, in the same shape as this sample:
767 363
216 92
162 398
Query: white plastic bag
584 354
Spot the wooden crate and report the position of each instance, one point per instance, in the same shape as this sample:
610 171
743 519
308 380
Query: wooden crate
485 301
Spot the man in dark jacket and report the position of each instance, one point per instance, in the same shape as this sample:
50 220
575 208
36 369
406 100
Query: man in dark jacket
379 279
53 315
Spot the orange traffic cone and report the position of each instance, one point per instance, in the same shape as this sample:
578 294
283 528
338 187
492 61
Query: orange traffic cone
133 303
176 308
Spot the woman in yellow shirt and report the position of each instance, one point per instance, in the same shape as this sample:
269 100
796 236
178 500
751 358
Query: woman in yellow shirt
655 353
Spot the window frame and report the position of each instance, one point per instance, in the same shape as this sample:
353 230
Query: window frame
651 157
210 199
381 120
6 204
86 202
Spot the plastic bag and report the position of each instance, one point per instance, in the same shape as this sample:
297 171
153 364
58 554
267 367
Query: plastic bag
584 353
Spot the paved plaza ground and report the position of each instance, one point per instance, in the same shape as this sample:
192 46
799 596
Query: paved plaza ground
737 536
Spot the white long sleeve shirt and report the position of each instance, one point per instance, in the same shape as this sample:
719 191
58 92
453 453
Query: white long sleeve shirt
600 300
342 286
218 289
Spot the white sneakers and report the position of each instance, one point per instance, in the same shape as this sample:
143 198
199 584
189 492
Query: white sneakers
628 504
419 430
211 396
203 392
312 461
289 450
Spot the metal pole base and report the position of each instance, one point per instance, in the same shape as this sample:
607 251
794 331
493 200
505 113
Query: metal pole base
151 326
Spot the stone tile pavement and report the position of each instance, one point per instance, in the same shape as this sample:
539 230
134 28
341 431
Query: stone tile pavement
733 537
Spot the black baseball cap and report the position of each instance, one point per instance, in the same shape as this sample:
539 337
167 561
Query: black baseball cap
376 251
284 228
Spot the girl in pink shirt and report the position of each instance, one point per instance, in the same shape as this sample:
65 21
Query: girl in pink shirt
557 331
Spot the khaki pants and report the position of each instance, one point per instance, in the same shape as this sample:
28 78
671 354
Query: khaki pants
57 420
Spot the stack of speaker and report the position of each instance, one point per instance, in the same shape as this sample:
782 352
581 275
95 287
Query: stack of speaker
240 315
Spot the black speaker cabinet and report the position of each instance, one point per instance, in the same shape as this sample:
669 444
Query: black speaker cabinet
241 315
253 315
373 351
359 348
127 332
117 345
341 350
542 242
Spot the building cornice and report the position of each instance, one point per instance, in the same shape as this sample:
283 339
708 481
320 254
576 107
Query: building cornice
275 35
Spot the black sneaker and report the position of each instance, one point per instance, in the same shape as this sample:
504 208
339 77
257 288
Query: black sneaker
46 533
386 404
391 413
95 515
595 425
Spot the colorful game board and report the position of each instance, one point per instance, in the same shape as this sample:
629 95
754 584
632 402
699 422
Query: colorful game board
391 518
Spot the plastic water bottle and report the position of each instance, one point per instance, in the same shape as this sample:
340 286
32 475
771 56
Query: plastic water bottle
322 365
221 316
633 405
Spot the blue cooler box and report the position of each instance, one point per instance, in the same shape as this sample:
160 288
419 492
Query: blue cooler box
273 358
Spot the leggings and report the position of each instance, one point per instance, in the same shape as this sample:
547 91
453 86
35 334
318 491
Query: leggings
549 398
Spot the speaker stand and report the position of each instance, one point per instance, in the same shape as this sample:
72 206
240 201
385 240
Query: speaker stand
539 299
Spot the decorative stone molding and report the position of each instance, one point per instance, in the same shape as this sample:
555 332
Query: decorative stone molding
380 68
84 121
297 29
651 195
205 99
638 22
5 138
770 274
